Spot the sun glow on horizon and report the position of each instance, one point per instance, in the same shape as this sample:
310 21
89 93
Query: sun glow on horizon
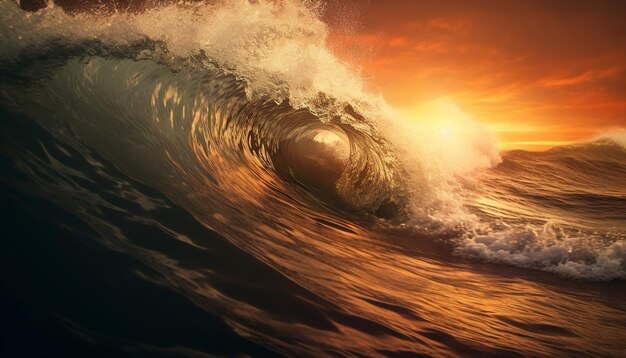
449 120
537 75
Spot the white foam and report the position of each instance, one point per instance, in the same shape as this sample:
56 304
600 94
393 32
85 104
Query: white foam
547 248
617 135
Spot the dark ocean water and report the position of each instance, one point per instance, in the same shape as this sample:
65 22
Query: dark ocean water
179 189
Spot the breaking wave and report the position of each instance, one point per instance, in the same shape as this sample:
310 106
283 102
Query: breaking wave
252 118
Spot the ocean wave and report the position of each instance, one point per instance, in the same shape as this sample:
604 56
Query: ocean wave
250 120
561 210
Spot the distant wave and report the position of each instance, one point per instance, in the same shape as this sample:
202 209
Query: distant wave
561 210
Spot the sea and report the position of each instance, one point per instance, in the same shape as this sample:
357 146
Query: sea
209 179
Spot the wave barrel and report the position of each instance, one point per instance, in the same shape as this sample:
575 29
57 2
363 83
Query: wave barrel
316 157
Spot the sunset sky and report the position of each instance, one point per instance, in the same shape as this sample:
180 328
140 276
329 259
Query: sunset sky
539 73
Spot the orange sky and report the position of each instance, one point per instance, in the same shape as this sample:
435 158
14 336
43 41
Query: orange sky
539 73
